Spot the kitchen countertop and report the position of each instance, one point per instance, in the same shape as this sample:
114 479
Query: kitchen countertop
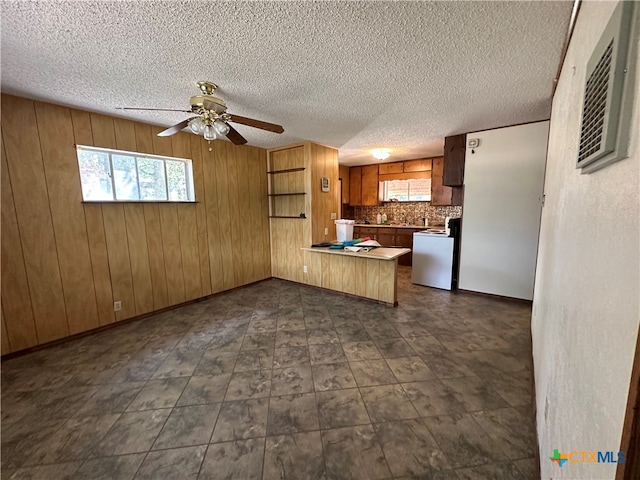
373 225
379 253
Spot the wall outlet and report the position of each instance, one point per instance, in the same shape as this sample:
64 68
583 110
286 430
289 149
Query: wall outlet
304 269
334 216
326 231
117 306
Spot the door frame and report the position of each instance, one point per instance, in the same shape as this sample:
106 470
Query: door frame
630 443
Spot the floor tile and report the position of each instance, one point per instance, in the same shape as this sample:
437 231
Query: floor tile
292 414
291 357
332 376
463 441
294 457
21 440
204 389
240 460
410 449
188 426
433 398
410 369
113 398
214 362
291 324
291 338
372 372
356 351
175 464
122 467
382 331
503 471
256 341
74 440
60 471
156 394
261 359
515 388
387 402
352 334
133 432
474 393
241 419
412 329
427 345
244 385
354 453
262 325
394 347
179 363
511 428
332 353
447 365
341 408
320 336
528 468
288 381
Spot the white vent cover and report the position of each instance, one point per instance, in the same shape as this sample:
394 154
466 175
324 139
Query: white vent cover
606 110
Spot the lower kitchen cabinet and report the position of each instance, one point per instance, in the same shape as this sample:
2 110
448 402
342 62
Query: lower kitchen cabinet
404 238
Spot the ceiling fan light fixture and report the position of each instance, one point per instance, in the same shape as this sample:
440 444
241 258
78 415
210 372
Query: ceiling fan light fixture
196 125
381 153
209 132
220 127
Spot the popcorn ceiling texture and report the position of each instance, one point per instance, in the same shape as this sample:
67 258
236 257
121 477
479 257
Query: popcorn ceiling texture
351 75
407 212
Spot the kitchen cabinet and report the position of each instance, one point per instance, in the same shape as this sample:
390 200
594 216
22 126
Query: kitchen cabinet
344 182
386 236
355 186
422 165
440 194
369 185
404 238
386 168
454 155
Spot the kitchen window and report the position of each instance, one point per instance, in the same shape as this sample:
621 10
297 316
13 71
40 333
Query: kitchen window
412 190
118 176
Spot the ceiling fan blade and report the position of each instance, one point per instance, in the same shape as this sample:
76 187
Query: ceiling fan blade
211 105
235 137
153 109
176 128
271 127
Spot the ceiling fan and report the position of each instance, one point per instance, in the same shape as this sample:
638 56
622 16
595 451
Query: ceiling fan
211 117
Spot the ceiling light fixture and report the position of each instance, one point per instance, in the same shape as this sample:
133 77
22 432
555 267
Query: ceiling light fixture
196 125
209 132
221 127
381 153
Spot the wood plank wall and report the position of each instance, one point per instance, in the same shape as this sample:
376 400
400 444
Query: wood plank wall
324 163
65 262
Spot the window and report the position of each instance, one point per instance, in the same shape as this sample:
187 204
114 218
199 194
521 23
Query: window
116 176
413 190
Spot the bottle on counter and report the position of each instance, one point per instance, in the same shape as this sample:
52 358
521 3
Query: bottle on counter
378 219
384 218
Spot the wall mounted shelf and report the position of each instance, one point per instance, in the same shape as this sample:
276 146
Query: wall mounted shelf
286 170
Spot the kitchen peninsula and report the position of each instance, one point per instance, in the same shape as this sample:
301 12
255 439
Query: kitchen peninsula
372 274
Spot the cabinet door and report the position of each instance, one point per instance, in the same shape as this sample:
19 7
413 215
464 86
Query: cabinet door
386 237
440 195
369 232
404 238
385 168
356 232
454 153
423 165
370 185
344 182
355 186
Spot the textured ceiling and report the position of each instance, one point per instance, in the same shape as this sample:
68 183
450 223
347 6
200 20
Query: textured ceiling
352 75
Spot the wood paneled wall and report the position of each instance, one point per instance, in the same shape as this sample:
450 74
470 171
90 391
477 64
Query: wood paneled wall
65 262
324 163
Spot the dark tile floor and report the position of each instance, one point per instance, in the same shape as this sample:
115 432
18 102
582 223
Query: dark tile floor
281 381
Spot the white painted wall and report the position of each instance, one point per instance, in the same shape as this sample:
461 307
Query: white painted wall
586 308
503 182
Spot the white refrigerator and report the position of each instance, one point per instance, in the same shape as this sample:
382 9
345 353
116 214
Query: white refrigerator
432 260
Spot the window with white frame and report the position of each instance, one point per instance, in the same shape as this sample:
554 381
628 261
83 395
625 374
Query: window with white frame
118 176
412 190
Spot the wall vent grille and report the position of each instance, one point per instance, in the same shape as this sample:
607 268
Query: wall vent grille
595 103
608 92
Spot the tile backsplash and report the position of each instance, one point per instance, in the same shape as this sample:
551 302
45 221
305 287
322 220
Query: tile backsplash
403 212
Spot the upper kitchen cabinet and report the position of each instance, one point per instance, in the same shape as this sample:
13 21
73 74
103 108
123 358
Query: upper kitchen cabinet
386 168
440 194
344 183
370 196
363 186
454 153
422 165
355 186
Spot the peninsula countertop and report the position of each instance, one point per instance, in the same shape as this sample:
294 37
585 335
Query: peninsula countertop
378 253
375 225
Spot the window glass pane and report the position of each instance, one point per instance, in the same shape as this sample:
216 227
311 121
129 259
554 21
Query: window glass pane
420 189
95 175
398 189
151 179
177 180
125 177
